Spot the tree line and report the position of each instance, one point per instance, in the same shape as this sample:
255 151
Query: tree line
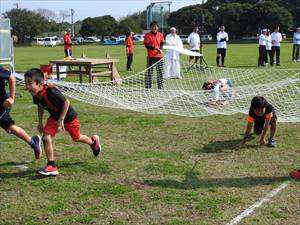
241 18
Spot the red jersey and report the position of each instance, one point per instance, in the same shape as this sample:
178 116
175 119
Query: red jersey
154 40
129 44
67 41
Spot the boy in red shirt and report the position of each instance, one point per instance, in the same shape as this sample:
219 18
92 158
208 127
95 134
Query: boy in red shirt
154 41
62 117
68 43
129 50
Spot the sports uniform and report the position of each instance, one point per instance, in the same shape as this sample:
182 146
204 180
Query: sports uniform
259 121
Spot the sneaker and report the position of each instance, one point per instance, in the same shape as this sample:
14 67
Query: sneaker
49 171
271 142
294 60
295 174
96 146
36 146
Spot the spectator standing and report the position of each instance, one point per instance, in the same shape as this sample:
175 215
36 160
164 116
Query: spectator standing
172 57
129 50
154 41
194 42
222 38
276 38
296 45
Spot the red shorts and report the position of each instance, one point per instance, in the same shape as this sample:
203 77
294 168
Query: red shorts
72 127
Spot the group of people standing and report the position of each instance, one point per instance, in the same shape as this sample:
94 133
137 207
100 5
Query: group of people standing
154 41
269 46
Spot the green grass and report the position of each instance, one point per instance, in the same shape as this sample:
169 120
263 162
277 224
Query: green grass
156 169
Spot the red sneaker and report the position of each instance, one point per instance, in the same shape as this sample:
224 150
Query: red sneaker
49 171
295 174
96 146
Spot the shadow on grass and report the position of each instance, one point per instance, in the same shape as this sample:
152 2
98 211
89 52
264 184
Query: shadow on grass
225 145
30 174
192 181
14 163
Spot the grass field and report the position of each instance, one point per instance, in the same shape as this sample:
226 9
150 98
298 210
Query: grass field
156 169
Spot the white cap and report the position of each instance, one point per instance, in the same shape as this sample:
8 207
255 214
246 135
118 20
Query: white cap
172 28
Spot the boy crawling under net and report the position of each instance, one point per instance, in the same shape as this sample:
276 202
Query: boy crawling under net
62 117
221 90
263 115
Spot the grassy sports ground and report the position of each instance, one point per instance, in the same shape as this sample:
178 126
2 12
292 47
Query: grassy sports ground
156 169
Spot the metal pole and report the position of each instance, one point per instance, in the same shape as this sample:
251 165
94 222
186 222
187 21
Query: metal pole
202 31
72 22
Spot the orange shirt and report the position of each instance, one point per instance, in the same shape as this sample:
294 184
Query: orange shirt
129 45
154 40
67 42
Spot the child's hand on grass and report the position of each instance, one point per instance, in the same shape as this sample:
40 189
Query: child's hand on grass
262 141
242 144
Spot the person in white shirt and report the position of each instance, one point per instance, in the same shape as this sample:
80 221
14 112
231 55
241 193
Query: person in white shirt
222 38
262 47
276 38
172 57
296 45
268 47
194 42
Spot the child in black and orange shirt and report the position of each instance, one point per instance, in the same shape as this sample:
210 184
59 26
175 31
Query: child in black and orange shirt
62 117
263 115
6 122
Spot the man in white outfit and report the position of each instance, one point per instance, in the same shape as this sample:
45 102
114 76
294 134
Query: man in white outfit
194 42
262 47
276 38
296 45
222 38
268 52
172 57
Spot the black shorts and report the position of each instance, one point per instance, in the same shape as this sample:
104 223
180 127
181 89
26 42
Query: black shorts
68 52
259 124
5 120
221 51
197 57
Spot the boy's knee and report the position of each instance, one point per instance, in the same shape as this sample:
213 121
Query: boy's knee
46 138
10 129
76 138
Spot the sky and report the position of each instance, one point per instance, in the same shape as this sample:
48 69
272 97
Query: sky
91 8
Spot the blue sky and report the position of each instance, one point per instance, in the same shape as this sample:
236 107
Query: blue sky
91 8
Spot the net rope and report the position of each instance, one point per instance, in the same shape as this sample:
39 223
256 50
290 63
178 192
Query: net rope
185 97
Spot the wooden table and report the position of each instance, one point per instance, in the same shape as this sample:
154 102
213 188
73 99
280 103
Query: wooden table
89 67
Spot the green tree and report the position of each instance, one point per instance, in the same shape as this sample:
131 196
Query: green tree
25 22
186 18
128 24
231 16
102 25
266 15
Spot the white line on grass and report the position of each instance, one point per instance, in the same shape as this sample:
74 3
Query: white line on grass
258 204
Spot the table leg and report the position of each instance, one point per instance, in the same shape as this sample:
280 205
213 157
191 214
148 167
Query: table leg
57 72
89 71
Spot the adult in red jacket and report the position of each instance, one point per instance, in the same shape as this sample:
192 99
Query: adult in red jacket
68 43
154 41
129 49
